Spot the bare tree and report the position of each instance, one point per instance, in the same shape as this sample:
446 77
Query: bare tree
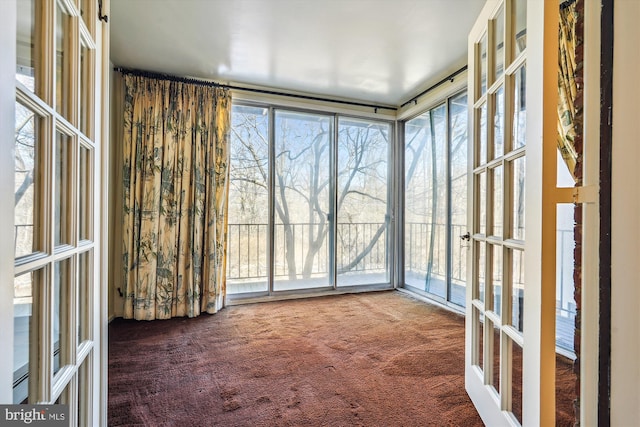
303 182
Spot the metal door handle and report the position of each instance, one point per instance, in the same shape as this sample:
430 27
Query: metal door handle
466 237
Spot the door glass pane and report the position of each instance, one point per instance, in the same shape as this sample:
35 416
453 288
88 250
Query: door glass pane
478 337
302 200
85 279
497 201
495 356
23 291
481 149
519 36
482 64
482 266
565 300
518 177
498 124
497 278
520 109
84 199
248 234
62 197
458 206
498 40
482 202
26 43
63 69
27 184
84 393
85 8
86 98
363 208
426 202
517 289
61 277
516 379
564 176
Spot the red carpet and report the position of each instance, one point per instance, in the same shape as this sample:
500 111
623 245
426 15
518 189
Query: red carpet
375 359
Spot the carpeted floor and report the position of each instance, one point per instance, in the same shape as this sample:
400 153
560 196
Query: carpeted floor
375 359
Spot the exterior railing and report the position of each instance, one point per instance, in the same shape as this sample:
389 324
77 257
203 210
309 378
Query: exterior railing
361 247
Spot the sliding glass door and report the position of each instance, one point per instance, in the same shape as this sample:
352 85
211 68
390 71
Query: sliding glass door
248 201
435 201
302 196
309 201
363 202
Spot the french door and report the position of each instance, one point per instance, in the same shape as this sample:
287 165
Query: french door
498 149
57 346
516 199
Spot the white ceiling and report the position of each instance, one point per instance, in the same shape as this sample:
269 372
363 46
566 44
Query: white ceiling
381 51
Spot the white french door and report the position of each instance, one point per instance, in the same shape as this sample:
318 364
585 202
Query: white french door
498 149
515 197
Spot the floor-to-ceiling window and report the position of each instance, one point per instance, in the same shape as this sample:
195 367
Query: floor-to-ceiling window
435 201
309 205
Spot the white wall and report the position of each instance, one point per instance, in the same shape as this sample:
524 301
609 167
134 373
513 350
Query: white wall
625 234
7 112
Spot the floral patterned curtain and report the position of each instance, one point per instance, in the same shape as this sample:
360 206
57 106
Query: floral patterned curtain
175 181
567 88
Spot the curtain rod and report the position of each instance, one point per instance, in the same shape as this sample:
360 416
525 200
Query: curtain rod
169 77
450 77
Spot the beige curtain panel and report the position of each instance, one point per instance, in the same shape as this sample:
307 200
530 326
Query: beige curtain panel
175 187
567 88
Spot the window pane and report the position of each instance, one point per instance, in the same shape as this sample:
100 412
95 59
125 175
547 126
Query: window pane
426 202
26 181
63 210
520 109
84 193
518 177
85 282
248 233
61 277
517 289
23 291
519 37
63 70
458 197
363 207
498 124
303 200
497 201
25 43
498 38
